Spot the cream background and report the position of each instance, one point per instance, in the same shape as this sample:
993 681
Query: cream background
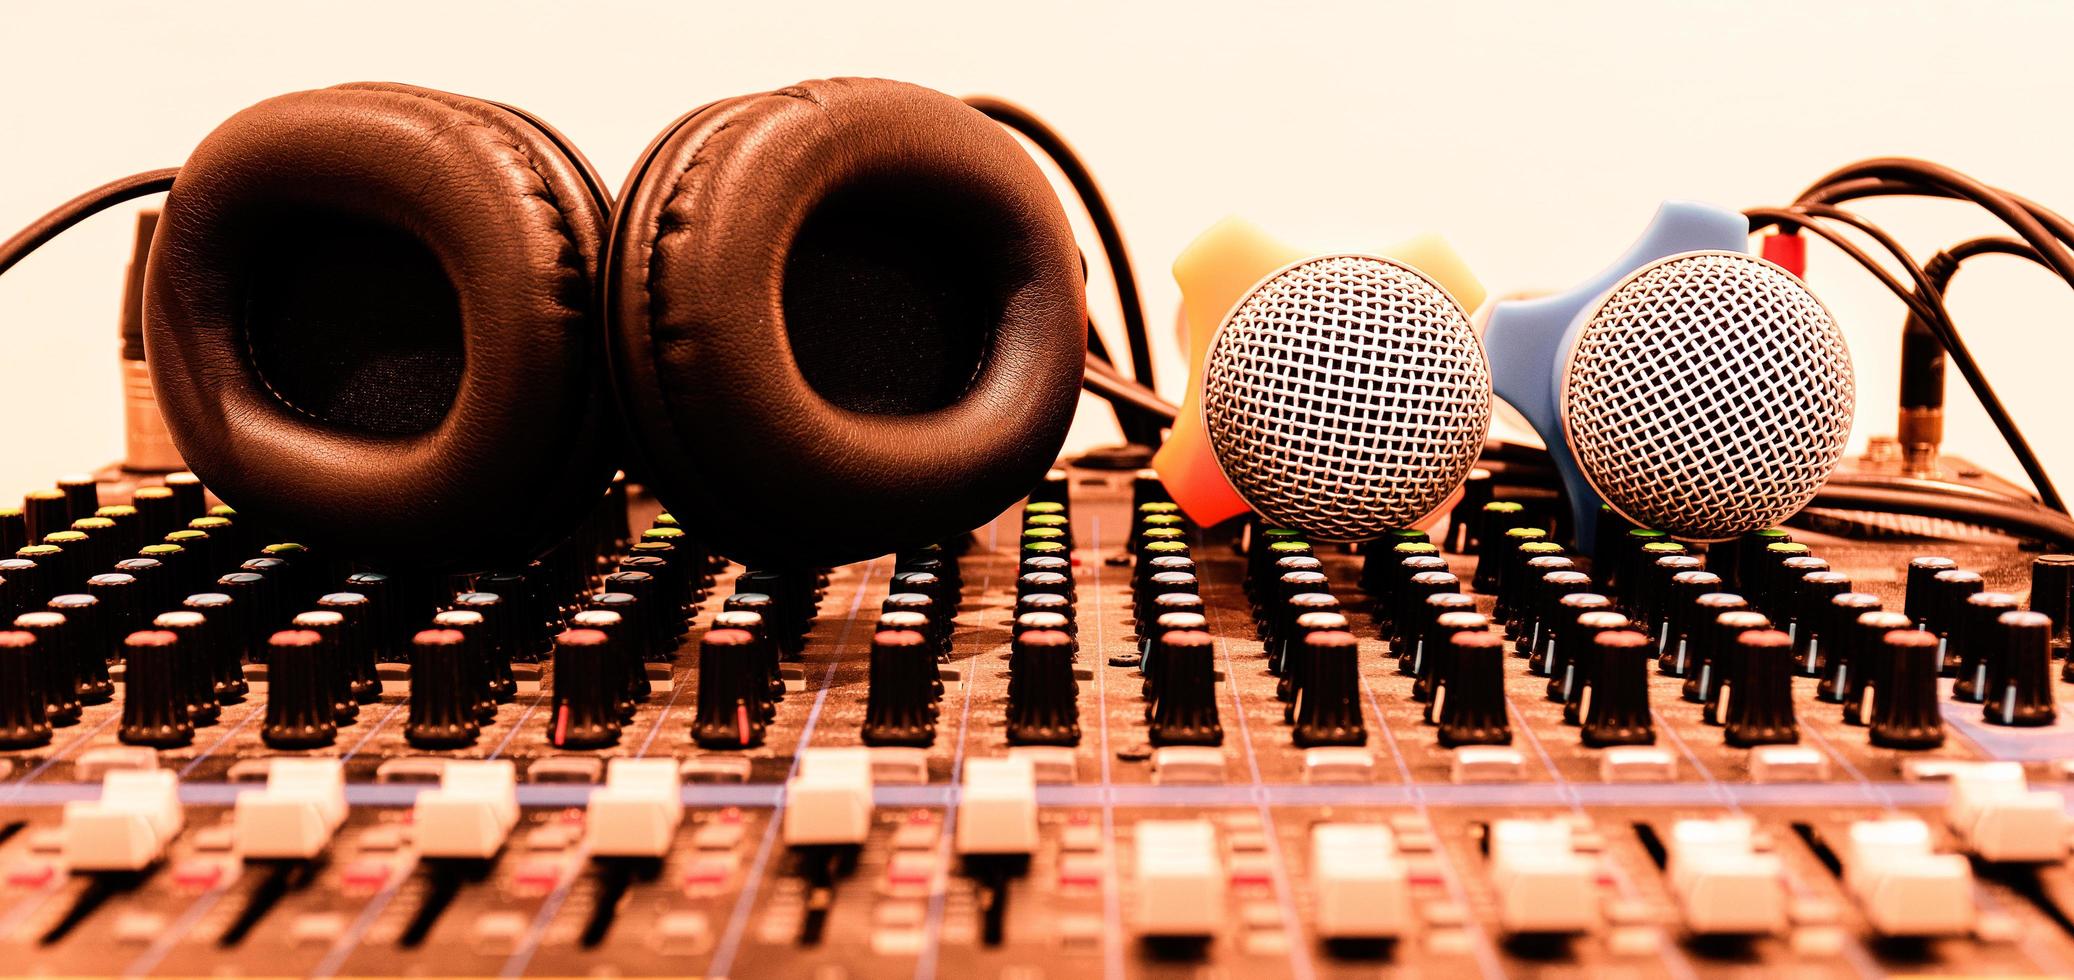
1538 137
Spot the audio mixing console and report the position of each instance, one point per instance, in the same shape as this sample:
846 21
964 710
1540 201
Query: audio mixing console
1056 822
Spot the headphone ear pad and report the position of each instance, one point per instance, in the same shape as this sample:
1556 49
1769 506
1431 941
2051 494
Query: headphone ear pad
846 317
369 315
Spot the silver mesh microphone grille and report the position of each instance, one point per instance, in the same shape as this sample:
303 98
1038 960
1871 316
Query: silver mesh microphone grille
1345 396
1709 395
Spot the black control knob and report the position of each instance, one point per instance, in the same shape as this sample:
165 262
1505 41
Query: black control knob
52 690
651 613
1773 574
898 707
1641 596
1870 659
1043 697
1533 592
1471 706
49 512
24 585
328 625
676 585
189 499
81 668
1297 674
1654 589
1949 591
1733 561
1674 626
1064 568
1379 564
1428 654
766 649
356 645
1807 613
14 530
1505 558
914 622
475 657
1756 702
943 610
192 655
24 718
1412 619
1053 603
1281 646
154 697
1260 561
443 691
1391 600
1048 583
1328 708
1519 579
497 642
1494 524
1904 702
252 596
731 689
1834 643
1185 709
1621 571
1440 640
1532 642
1563 638
1173 622
766 607
1975 637
1616 705
2052 593
1722 654
2018 685
1702 640
1920 596
587 689
389 629
223 639
628 676
1574 683
1786 586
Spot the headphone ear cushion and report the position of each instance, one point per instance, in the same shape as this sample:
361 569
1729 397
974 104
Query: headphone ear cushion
846 317
369 315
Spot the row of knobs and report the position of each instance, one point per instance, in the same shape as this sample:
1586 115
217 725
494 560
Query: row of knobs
179 667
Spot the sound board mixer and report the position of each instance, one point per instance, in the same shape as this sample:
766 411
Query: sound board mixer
1088 737
858 676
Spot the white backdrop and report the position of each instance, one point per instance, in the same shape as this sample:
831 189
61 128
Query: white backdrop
1538 137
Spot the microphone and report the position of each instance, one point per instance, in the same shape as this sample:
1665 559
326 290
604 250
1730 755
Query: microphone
1340 395
1692 386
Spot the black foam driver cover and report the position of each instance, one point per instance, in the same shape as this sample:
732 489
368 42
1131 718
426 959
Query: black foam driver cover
369 315
846 317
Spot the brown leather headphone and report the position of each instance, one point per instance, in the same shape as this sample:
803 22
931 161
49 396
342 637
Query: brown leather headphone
825 322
